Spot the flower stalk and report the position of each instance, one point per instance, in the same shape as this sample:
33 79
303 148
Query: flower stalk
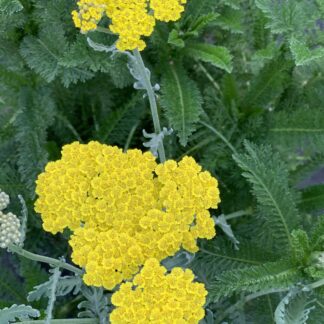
152 99
40 258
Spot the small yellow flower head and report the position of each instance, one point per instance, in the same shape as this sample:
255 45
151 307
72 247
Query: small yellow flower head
131 19
90 13
124 208
167 10
155 296
9 229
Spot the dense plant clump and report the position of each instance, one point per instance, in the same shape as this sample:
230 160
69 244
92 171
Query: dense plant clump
116 119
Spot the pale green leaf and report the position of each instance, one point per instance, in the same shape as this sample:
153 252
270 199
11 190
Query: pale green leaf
219 56
302 54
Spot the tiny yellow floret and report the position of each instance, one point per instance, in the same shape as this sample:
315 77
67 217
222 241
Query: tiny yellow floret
157 297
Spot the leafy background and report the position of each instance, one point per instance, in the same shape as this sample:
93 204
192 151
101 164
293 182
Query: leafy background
241 85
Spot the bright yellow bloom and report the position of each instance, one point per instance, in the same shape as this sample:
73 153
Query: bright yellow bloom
124 208
155 296
131 19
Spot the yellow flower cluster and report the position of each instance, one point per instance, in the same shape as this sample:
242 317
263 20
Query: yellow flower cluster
124 208
130 19
160 298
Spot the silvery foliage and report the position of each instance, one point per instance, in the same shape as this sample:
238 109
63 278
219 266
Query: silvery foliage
295 307
222 223
133 65
156 139
95 305
20 312
52 294
180 259
136 71
65 285
100 47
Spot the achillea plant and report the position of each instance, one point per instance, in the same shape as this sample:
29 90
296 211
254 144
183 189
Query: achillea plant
112 150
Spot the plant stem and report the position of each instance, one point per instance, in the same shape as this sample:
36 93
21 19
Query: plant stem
65 321
238 214
220 135
151 95
44 259
103 30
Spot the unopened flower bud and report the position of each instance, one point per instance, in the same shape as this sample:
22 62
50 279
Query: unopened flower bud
9 229
4 200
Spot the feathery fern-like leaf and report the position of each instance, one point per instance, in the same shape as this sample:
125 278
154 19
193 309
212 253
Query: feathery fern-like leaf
269 178
181 100
219 255
35 117
218 56
302 128
21 312
271 275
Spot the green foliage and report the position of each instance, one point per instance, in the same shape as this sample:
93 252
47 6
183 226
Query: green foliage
300 246
10 6
271 275
31 123
276 201
313 199
181 100
216 55
299 129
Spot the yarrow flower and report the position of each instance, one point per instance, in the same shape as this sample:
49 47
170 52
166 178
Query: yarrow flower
9 229
130 19
154 296
124 208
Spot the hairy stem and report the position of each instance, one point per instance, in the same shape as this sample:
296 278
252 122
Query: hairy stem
40 258
151 95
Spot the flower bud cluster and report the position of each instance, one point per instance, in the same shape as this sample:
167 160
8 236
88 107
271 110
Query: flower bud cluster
130 19
9 229
4 200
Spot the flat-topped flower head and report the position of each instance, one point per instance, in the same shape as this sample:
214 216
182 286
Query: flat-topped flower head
157 297
130 19
9 229
124 208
